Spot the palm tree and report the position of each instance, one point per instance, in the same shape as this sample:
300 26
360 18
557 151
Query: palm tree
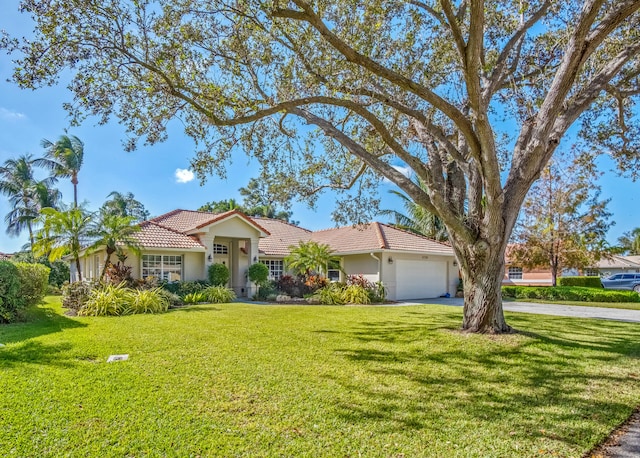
125 205
63 232
629 242
309 257
114 232
68 154
27 195
417 219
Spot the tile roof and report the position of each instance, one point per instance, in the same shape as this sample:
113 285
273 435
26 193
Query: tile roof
154 235
189 220
377 236
283 235
632 258
172 229
618 262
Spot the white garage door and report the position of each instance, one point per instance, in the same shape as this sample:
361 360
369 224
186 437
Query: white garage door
420 279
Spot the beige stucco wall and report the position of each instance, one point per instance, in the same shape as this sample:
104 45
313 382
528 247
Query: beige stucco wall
192 264
361 264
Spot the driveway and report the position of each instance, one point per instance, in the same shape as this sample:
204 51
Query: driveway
575 311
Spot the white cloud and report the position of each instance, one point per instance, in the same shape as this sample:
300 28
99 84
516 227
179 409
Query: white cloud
184 175
10 115
406 171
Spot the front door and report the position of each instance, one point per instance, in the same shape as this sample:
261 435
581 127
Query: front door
221 256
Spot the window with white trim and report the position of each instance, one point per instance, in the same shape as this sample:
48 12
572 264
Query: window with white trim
219 248
163 267
592 273
276 268
515 273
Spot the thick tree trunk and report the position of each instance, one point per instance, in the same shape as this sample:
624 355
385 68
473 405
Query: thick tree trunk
482 270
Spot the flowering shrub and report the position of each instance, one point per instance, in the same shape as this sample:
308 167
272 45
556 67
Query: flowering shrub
315 282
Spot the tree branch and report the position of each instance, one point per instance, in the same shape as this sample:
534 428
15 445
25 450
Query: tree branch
309 16
499 73
408 186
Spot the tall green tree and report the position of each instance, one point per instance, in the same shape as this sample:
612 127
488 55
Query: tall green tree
114 233
564 222
68 155
64 232
336 94
125 205
309 258
260 199
27 194
629 242
417 219
221 206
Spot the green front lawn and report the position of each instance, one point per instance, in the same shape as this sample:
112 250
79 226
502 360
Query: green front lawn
254 380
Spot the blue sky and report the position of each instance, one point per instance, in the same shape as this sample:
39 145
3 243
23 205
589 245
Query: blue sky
152 173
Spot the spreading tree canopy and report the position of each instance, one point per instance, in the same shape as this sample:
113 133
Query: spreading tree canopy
473 95
564 221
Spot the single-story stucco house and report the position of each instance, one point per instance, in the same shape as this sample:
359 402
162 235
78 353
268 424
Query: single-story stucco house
616 264
182 244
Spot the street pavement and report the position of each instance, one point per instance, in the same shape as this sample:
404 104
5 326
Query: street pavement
575 311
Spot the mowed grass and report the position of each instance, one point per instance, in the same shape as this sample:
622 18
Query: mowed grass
283 381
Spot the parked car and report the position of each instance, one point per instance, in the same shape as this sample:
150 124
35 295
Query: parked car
622 281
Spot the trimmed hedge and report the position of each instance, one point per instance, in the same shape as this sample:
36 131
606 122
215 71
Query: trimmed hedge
587 282
218 274
10 301
183 288
569 293
34 282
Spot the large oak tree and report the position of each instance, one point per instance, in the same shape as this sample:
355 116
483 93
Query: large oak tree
474 96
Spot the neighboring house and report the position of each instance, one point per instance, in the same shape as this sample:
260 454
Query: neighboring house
5 256
515 275
615 264
180 245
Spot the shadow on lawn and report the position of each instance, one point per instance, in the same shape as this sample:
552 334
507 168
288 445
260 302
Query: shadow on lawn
34 352
39 321
538 383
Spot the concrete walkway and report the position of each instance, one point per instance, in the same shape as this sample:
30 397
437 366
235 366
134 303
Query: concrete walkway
576 311
623 443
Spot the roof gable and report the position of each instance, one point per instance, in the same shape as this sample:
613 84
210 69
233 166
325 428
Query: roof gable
282 236
189 221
